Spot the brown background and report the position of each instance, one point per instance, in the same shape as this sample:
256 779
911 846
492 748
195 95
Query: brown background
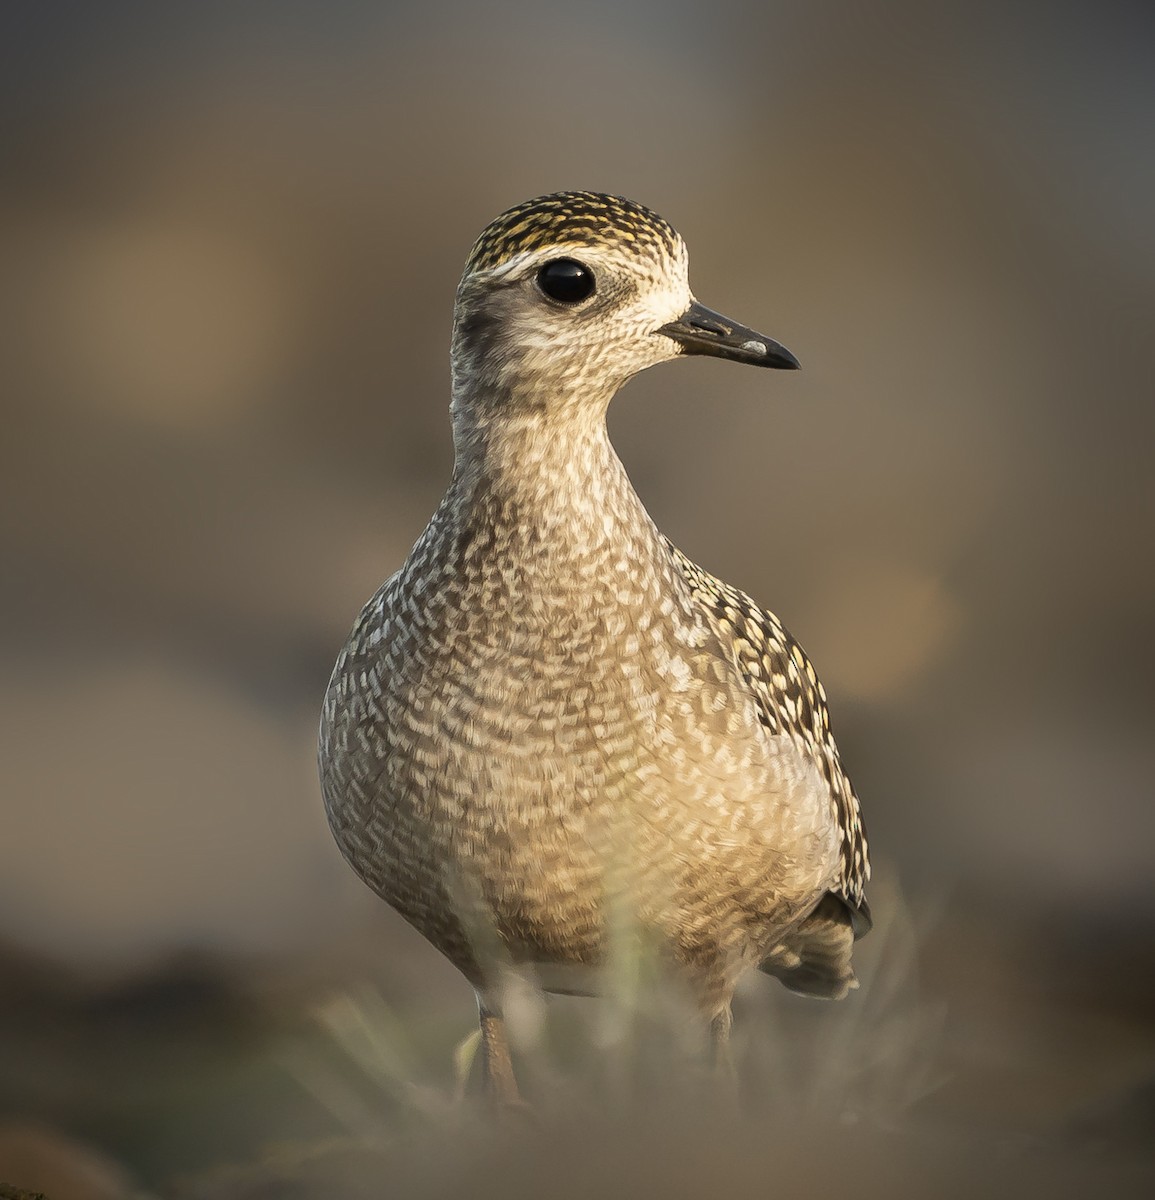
229 240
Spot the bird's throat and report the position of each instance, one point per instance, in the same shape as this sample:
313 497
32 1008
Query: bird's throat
553 485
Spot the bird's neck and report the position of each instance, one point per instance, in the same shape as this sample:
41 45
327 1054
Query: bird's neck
550 476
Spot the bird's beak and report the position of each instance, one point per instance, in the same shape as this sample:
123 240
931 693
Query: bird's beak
700 330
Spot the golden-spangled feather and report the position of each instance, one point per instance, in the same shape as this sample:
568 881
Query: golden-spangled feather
791 700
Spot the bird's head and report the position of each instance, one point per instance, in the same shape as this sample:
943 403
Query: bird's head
567 296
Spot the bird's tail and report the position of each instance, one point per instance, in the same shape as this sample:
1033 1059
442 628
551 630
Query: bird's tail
814 958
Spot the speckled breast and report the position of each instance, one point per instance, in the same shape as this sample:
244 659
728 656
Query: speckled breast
507 756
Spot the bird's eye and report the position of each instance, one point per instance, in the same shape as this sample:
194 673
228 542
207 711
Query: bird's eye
566 280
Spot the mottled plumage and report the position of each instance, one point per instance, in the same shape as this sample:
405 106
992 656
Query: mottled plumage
549 720
569 218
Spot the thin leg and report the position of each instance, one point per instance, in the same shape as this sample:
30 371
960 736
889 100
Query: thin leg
497 1075
723 1059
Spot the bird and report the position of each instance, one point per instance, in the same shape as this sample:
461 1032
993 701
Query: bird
549 715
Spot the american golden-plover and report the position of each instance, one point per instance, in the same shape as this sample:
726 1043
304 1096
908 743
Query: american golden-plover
549 714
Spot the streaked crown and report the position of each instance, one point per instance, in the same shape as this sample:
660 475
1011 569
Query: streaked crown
570 218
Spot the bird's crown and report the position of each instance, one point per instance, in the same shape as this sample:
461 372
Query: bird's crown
576 218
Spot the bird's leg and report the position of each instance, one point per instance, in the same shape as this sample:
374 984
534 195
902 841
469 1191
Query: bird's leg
497 1076
723 1059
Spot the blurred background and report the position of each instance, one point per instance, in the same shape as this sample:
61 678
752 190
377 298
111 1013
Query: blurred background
230 237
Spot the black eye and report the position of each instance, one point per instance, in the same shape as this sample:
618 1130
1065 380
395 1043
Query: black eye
566 280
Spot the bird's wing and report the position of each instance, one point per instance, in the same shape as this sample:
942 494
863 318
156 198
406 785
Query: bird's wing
791 701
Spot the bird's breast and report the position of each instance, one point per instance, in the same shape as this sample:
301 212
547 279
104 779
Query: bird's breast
533 728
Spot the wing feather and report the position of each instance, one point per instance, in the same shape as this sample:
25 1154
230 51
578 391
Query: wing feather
790 700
